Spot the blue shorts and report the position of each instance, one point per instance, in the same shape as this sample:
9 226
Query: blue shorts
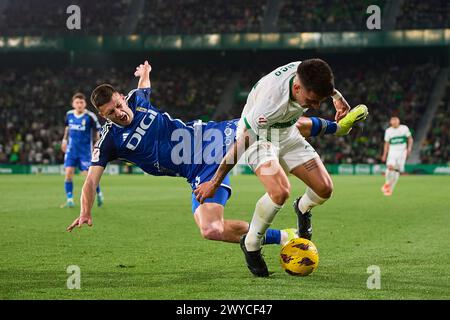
222 194
82 162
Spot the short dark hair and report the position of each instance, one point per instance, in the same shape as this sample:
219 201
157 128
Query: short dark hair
102 95
78 95
316 76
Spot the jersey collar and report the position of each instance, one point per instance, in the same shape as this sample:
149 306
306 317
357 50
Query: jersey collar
80 115
117 125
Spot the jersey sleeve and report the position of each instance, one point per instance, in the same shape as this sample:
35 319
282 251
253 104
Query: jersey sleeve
386 136
139 98
66 120
105 149
408 132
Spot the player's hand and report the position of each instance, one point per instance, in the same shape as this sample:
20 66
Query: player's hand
342 108
64 146
143 69
383 158
205 190
82 219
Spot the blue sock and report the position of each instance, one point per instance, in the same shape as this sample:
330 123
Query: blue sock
98 189
68 186
273 236
321 127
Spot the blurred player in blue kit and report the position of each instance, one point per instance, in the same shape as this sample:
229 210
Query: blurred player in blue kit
82 127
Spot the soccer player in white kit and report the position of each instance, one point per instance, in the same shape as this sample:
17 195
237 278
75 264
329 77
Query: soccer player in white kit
274 147
398 144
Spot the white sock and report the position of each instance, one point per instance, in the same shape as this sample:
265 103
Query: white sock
309 200
284 237
265 211
388 176
395 176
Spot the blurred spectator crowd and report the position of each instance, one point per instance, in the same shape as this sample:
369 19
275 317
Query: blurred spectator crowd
201 16
33 104
325 15
417 14
48 17
436 147
33 113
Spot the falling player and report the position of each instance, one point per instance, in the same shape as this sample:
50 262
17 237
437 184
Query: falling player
138 132
398 143
274 148
81 126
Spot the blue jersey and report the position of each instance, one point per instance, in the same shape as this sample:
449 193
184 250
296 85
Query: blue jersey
80 132
163 146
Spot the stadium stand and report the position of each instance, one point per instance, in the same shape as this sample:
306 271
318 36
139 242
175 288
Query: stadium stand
436 147
37 18
324 15
34 115
416 14
201 16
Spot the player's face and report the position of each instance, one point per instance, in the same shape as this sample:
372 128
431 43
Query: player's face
395 122
79 105
117 110
306 98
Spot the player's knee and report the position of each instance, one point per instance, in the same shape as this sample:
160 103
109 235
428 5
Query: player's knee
280 194
69 176
390 167
325 190
213 231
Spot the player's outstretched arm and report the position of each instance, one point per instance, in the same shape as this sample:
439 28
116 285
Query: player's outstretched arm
143 72
87 197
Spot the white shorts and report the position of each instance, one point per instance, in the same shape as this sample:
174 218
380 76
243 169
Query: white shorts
397 160
291 150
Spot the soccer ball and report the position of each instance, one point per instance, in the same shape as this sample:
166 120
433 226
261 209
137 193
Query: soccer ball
299 257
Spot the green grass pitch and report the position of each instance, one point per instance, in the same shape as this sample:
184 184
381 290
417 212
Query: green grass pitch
145 245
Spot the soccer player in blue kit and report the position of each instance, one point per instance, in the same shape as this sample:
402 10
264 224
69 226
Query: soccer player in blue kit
77 143
139 133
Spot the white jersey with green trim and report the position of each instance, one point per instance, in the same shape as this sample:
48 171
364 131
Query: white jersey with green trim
269 103
397 138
